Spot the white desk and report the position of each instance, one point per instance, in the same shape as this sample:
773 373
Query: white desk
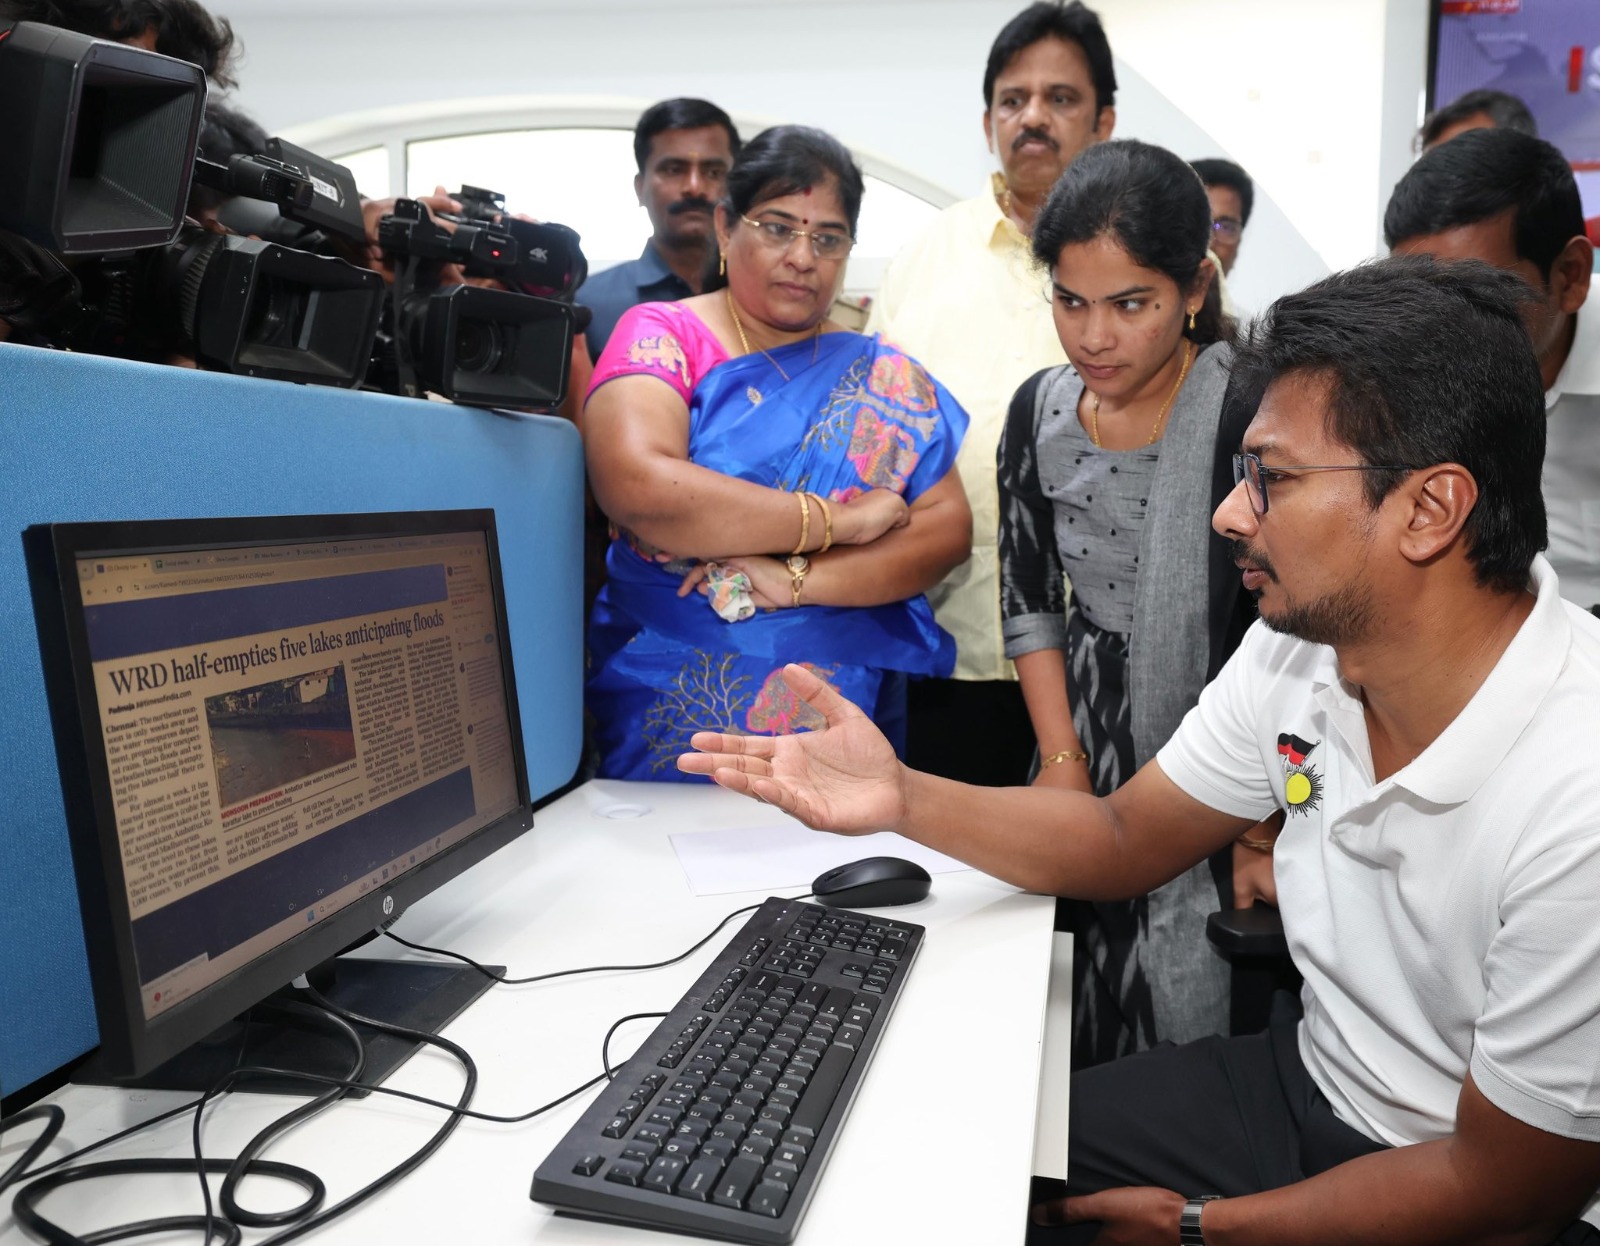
937 1148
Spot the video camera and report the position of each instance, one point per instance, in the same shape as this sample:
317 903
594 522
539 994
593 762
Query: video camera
472 344
96 253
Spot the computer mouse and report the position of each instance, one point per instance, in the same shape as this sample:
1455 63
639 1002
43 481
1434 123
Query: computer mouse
872 883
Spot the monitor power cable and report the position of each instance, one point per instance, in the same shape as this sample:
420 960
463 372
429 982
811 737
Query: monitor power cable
297 1221
567 973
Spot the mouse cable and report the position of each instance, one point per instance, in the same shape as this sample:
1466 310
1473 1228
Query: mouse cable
25 1203
567 973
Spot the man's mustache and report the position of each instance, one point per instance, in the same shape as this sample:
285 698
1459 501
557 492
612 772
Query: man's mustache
1034 136
690 205
1243 555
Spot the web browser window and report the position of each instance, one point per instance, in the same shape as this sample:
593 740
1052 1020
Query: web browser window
287 727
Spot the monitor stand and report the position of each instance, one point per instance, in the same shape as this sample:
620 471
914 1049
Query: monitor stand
414 994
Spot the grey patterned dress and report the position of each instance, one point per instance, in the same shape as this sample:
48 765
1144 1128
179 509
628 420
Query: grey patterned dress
1143 969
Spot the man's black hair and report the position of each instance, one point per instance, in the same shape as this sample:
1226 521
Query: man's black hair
679 114
1481 174
1215 172
790 158
1051 19
1150 203
184 29
1506 111
1372 335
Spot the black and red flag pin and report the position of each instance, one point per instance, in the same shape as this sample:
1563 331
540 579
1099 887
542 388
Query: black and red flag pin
1294 748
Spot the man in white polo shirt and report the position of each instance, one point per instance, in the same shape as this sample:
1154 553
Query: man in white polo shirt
1511 200
1419 702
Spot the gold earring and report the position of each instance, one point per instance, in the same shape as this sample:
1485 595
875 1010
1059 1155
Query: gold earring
1191 322
722 269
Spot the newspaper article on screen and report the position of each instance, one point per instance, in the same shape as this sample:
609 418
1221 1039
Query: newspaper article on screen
286 728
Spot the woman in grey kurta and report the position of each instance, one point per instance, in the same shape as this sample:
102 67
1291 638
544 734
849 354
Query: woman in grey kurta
1106 478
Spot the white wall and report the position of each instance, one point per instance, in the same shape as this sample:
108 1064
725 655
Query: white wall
1316 100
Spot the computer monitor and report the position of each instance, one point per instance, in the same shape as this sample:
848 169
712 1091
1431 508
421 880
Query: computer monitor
274 734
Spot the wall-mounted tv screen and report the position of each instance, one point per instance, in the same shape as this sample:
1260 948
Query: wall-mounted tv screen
1545 52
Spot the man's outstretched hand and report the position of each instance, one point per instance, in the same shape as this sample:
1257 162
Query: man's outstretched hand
845 778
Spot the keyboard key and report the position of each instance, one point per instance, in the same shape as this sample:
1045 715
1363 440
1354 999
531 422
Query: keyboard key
819 1096
758 1147
784 1174
625 1172
616 1127
719 1149
699 1179
851 1036
794 1156
769 1199
679 1146
664 1173
641 1152
589 1165
769 1130
736 1181
653 1134
696 1128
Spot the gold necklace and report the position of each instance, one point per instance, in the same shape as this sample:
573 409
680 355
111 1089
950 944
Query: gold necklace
1155 429
733 310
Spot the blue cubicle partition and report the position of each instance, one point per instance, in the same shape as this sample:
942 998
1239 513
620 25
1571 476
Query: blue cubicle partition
85 438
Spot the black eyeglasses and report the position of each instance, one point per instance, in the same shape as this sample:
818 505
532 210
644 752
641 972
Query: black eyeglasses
1229 227
1256 475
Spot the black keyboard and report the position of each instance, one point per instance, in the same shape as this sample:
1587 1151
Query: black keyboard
721 1123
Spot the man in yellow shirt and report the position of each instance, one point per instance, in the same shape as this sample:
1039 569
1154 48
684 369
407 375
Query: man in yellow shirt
966 299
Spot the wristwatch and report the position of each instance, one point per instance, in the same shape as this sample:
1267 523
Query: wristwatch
1189 1233
798 565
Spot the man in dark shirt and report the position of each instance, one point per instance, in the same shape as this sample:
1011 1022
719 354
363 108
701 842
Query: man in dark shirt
684 148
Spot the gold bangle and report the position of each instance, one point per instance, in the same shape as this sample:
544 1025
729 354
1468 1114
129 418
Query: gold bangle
827 522
1066 754
805 523
1258 845
798 565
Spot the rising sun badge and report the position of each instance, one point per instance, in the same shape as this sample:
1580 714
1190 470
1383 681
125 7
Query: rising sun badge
1302 785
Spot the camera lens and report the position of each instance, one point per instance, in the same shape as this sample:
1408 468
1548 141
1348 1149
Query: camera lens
275 314
479 346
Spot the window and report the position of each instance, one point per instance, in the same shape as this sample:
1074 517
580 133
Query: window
577 167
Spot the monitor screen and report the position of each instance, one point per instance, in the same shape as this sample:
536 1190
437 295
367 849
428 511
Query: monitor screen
1545 52
283 728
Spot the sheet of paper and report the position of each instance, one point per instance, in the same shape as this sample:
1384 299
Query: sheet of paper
777 858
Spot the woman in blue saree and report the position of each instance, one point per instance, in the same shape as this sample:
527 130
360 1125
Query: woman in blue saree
782 490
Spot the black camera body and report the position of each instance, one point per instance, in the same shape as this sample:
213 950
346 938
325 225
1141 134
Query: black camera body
551 262
484 347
